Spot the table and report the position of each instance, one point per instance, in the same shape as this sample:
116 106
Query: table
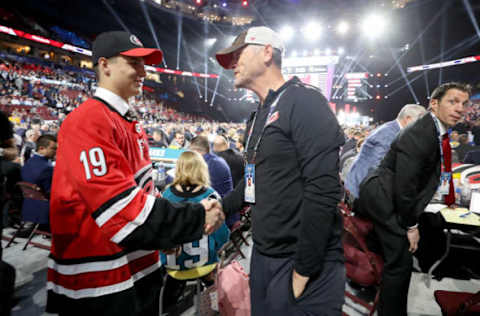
468 233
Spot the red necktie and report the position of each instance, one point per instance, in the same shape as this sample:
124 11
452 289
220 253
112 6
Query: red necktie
447 158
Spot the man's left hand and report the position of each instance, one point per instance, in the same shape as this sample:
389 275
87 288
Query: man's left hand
299 282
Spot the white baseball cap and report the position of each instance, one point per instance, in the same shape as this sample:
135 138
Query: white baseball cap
260 35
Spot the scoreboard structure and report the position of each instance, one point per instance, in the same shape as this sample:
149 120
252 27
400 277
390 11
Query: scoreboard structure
317 71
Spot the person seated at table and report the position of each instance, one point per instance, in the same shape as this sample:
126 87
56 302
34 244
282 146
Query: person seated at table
191 184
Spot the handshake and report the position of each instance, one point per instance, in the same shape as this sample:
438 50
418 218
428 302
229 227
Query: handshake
214 216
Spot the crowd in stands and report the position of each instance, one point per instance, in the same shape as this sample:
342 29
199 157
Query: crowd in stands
51 91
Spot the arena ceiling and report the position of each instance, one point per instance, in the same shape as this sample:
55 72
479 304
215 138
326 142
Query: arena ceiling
424 31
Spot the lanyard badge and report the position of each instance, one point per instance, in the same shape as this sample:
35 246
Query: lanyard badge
250 167
445 177
250 183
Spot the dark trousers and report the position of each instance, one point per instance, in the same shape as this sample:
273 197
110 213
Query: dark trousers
397 272
271 288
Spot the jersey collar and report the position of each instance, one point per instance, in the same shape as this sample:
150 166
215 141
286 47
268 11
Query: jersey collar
113 100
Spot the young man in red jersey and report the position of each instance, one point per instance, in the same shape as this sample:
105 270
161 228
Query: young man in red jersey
106 222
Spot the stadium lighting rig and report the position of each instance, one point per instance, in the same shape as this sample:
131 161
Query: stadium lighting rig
374 26
343 27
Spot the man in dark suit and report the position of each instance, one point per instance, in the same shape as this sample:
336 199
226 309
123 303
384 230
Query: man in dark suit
397 192
220 175
39 170
233 158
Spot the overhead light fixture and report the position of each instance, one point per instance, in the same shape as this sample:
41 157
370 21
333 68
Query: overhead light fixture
311 31
286 33
343 27
373 26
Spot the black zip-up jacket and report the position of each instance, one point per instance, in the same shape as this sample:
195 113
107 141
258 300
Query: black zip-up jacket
297 186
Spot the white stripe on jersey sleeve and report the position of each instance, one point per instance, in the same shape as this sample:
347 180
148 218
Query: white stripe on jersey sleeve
139 172
116 208
139 220
145 178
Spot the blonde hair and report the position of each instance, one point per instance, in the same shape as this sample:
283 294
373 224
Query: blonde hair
191 169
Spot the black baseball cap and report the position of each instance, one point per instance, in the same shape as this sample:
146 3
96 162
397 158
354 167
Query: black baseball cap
115 43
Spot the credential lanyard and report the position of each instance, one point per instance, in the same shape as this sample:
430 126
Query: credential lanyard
250 132
440 140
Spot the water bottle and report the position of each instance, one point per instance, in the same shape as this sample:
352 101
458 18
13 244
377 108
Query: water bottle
457 185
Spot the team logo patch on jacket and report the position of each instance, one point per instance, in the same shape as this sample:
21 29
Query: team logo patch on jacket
272 118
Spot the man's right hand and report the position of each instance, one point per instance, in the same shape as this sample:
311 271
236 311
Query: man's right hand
413 238
214 216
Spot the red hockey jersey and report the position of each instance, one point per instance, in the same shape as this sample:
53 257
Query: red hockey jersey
105 221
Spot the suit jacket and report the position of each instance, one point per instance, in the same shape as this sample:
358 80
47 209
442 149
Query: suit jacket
235 162
372 152
463 149
37 170
473 156
397 191
220 175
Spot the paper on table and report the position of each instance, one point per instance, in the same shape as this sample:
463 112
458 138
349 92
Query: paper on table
475 202
453 216
434 207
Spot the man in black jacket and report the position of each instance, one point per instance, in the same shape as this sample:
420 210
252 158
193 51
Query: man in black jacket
233 158
395 194
292 146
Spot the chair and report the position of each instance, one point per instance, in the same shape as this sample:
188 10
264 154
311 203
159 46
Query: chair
236 236
363 267
33 192
194 274
458 303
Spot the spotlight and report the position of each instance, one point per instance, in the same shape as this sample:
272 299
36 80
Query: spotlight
328 52
311 31
244 3
198 2
341 51
224 4
378 97
286 33
342 27
373 26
